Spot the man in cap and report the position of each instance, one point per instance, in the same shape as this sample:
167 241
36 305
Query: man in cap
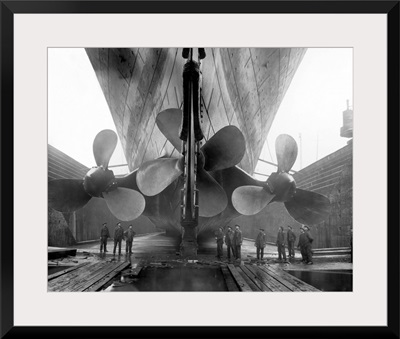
118 235
308 245
260 244
219 236
302 244
129 234
229 243
104 235
280 243
291 238
237 242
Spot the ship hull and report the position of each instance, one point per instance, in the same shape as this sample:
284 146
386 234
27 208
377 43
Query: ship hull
242 87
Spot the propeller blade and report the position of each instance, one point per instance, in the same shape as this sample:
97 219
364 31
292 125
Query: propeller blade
212 197
156 175
103 146
249 200
224 149
67 195
124 203
169 123
308 207
286 152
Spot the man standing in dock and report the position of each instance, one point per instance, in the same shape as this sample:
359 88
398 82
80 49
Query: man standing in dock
129 234
229 243
301 244
260 244
104 235
308 245
220 242
118 235
237 242
280 242
291 238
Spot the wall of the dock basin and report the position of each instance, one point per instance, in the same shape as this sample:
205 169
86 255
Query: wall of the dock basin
331 176
65 229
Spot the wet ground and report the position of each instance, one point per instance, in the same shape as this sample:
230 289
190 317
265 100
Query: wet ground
179 278
326 280
164 270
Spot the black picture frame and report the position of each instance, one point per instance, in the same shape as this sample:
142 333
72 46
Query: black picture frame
7 11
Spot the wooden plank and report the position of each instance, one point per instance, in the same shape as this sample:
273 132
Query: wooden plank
280 278
250 282
57 283
59 252
99 284
59 273
303 286
230 282
95 277
256 280
243 286
267 280
74 277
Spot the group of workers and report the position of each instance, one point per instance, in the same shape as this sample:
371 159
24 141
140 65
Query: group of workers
233 241
119 234
304 244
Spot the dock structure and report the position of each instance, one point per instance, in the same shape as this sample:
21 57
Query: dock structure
86 277
263 278
155 255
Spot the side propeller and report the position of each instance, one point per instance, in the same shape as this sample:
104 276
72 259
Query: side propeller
68 195
304 206
225 149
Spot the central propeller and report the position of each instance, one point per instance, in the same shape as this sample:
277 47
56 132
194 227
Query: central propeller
224 149
304 206
69 195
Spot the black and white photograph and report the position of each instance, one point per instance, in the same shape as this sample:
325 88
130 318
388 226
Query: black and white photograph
200 169
184 150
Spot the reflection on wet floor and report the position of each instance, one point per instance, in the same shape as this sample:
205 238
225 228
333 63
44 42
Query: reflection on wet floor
178 278
326 281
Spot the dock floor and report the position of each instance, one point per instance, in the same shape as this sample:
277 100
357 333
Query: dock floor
155 265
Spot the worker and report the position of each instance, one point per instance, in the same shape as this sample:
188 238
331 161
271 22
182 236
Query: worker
237 241
280 243
104 235
220 241
291 238
308 245
118 235
129 234
260 244
229 243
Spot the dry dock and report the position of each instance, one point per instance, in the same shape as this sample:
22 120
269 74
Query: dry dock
155 265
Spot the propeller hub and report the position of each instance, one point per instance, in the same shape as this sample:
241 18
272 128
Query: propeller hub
98 180
282 185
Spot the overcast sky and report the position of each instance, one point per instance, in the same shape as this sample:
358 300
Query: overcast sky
312 107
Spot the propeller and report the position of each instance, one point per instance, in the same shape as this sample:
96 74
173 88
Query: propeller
304 206
169 122
212 197
68 195
249 200
225 149
307 205
156 175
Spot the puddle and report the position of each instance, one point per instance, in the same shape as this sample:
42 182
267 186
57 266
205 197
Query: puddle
174 279
326 281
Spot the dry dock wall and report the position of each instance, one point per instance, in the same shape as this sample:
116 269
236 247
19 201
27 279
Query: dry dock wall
331 176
